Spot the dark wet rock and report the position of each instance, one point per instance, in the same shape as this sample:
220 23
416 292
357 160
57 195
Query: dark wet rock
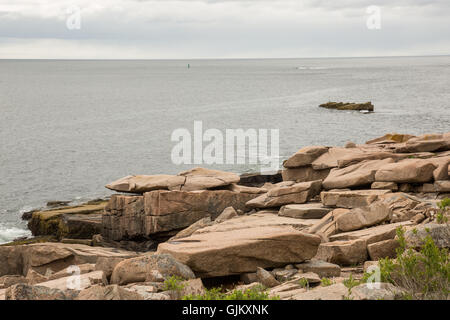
75 222
368 106
259 179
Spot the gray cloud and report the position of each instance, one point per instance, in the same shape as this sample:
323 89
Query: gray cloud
218 28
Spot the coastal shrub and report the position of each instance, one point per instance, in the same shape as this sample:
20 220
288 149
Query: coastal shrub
256 293
173 283
210 294
248 294
326 282
423 274
443 205
350 282
304 283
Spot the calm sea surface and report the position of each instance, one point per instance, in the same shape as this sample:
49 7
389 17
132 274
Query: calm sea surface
69 127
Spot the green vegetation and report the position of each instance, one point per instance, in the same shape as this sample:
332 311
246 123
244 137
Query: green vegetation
256 293
348 297
173 283
443 205
423 274
304 283
350 282
326 282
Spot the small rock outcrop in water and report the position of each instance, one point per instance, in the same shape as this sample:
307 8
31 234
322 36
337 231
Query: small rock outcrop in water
331 212
368 106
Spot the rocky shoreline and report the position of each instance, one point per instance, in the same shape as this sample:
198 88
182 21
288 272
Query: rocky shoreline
302 234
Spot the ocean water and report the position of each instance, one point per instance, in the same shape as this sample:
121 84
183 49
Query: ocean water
69 127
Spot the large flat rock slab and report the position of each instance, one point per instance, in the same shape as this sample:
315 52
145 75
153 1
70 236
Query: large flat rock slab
287 194
321 268
419 145
331 158
374 234
304 174
304 211
305 156
58 256
334 292
350 198
76 222
83 281
344 253
145 183
360 174
41 257
264 218
194 179
201 178
407 171
233 247
128 217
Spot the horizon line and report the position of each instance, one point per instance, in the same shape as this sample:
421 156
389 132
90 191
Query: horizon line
254 58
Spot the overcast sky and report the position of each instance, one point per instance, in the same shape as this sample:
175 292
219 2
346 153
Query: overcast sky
161 29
